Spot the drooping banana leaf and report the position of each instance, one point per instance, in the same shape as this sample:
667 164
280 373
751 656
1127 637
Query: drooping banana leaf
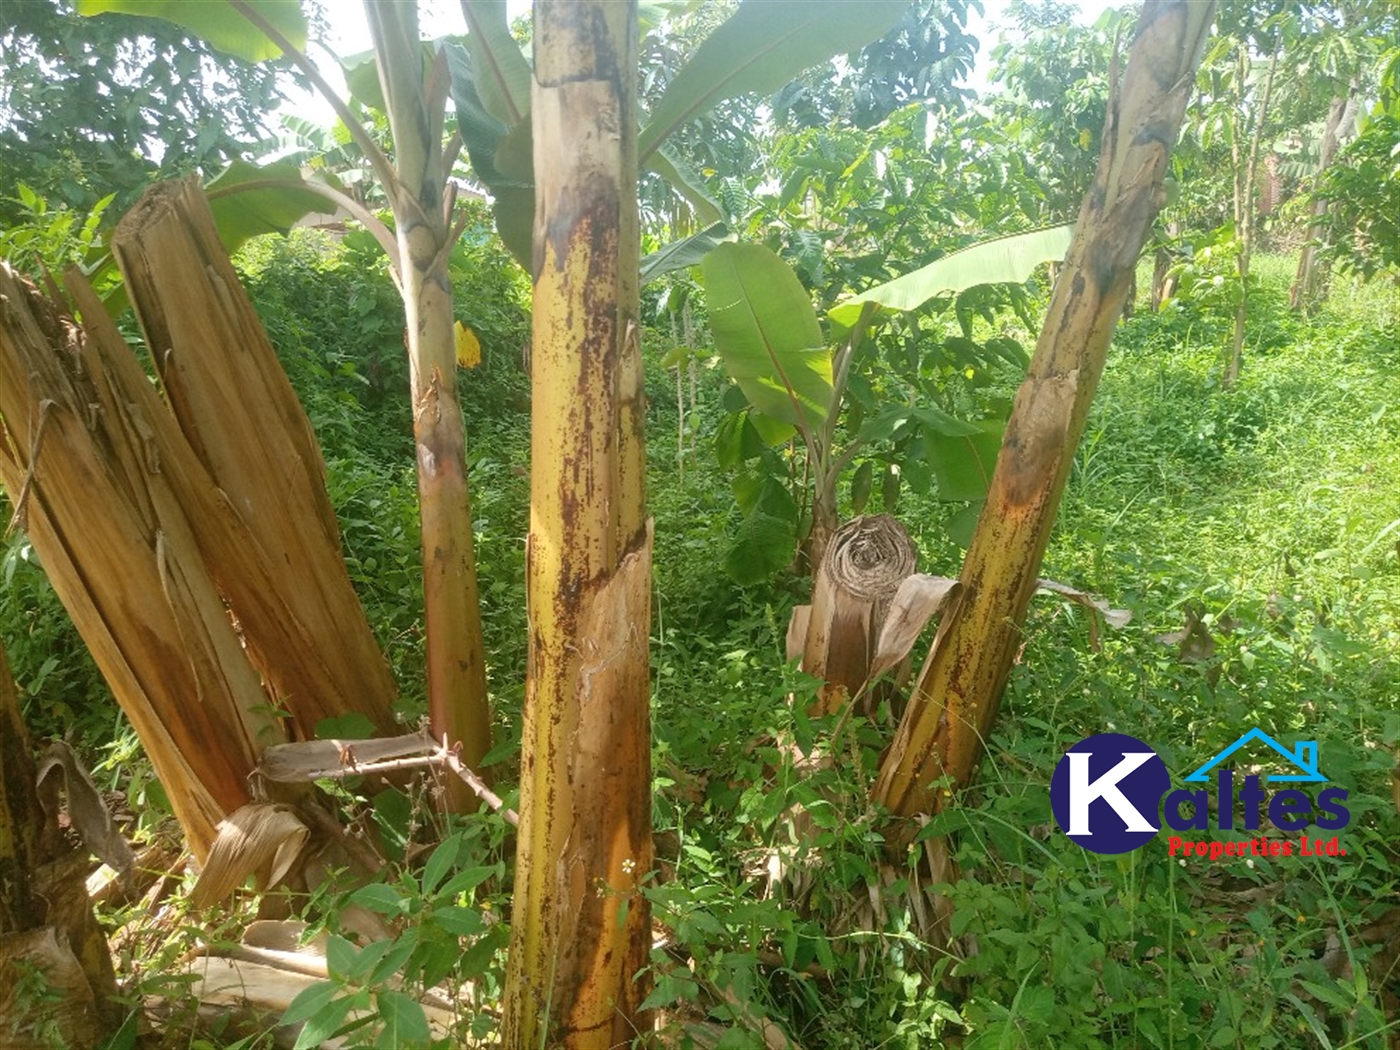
486 139
761 47
687 252
686 181
504 77
220 25
248 200
767 335
1007 259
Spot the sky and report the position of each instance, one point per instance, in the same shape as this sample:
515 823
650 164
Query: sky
349 35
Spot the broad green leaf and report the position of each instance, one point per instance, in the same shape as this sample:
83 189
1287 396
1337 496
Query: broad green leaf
380 898
736 441
963 464
469 879
686 252
767 334
962 524
476 958
890 488
362 79
324 1023
757 492
481 132
861 483
442 861
460 922
392 815
898 419
937 421
405 1023
248 200
769 430
515 155
340 956
436 959
361 72
218 24
514 210
676 357
394 959
502 73
761 47
686 181
368 957
1008 259
309 1001
762 546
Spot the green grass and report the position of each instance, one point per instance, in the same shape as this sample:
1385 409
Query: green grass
1270 511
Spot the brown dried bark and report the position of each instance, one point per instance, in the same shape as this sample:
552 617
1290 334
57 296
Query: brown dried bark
195 549
307 636
866 560
82 459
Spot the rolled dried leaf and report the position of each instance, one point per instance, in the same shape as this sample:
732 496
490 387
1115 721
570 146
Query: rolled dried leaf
261 839
919 597
864 564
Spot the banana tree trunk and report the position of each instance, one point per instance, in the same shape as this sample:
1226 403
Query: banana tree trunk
97 471
959 689
864 564
1308 282
422 205
580 930
1246 211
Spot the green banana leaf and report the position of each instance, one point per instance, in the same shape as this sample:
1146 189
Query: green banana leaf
687 252
248 200
220 25
761 47
767 335
492 144
1007 259
504 78
686 181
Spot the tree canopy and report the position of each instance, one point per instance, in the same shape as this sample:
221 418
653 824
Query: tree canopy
94 106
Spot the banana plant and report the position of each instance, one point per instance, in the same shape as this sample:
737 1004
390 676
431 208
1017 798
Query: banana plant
792 383
414 89
761 47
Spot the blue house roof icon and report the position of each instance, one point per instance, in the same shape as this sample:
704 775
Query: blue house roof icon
1303 755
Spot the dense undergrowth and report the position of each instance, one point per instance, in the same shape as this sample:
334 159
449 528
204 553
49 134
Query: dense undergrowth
1262 521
